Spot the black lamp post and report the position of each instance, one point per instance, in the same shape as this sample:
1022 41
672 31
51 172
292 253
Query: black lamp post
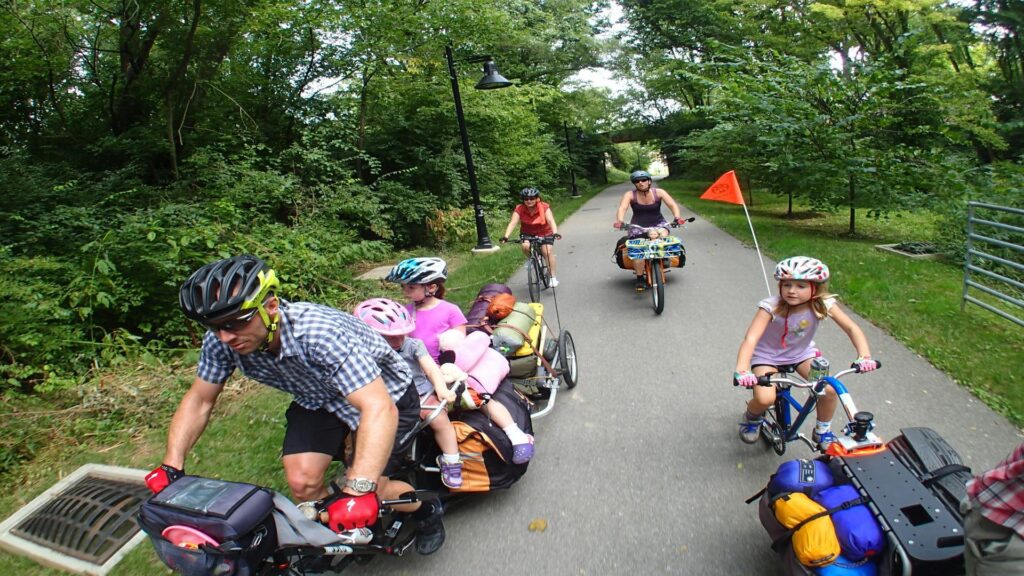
572 166
492 80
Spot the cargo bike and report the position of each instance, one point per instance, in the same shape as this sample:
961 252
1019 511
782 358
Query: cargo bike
893 507
658 255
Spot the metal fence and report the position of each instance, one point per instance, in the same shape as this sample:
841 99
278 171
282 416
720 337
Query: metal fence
976 256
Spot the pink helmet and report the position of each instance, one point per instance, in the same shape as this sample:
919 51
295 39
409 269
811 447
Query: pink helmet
385 316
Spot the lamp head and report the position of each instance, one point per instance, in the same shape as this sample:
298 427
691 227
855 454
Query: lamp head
492 79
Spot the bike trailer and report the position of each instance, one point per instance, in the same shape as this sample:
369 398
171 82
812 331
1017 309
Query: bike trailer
896 510
202 526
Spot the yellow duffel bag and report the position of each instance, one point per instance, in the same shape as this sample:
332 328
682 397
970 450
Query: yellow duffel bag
813 535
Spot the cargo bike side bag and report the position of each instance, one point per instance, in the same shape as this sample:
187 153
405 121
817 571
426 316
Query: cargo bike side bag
202 526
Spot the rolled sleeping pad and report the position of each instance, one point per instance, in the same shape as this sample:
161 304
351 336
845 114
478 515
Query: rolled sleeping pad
510 333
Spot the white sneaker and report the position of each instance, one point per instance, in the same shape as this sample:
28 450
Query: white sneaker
554 282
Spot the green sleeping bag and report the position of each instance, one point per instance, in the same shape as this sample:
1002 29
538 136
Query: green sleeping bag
510 334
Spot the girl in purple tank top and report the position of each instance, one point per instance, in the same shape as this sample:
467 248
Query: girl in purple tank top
782 334
645 202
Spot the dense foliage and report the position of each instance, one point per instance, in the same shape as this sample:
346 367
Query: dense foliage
877 105
141 138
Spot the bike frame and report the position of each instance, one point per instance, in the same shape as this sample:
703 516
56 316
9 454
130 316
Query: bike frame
802 410
789 414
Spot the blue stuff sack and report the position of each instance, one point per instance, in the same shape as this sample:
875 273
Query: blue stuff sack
860 535
843 566
806 476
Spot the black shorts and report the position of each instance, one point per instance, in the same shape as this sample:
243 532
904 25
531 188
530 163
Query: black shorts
322 432
783 368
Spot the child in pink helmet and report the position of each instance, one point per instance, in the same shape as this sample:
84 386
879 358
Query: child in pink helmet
782 334
394 322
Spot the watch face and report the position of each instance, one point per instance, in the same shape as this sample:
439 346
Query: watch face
362 485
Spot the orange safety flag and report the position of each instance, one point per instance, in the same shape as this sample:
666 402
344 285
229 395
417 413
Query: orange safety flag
725 189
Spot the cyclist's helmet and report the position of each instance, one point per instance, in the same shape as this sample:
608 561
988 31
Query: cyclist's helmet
529 193
802 268
226 287
419 271
386 316
639 175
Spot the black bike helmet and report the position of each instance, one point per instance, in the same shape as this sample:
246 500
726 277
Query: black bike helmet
639 175
529 193
226 287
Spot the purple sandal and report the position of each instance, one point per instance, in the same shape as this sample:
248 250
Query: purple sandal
522 453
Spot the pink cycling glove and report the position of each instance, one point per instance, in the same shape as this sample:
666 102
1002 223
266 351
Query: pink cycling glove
865 364
745 379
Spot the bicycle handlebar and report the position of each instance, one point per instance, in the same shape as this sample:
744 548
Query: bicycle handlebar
774 378
672 224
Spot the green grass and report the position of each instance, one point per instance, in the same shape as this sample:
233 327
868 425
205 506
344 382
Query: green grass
916 301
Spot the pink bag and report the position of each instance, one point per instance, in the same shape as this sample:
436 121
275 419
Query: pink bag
486 366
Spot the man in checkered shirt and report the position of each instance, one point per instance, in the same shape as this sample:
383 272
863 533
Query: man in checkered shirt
994 526
343 377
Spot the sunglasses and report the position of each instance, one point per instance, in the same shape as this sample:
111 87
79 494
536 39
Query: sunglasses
639 180
234 324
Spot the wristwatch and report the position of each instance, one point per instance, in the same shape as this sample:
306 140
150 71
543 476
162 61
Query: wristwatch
362 485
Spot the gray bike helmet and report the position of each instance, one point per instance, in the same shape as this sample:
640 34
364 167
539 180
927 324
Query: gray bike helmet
419 271
226 287
639 175
529 193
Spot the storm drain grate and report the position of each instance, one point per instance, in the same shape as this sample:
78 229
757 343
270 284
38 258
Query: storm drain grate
86 523
89 521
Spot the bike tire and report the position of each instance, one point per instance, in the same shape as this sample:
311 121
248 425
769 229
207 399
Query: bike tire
567 360
773 430
545 272
533 279
657 287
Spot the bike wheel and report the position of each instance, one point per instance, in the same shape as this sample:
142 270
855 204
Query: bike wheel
657 280
773 430
545 273
567 359
533 279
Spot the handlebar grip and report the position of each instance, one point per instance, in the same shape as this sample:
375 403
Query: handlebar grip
765 380
878 365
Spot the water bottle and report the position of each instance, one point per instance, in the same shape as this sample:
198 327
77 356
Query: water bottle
819 368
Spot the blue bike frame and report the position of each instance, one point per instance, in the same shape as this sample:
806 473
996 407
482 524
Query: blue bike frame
804 410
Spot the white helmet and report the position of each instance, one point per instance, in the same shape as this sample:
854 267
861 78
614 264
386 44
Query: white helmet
802 268
419 271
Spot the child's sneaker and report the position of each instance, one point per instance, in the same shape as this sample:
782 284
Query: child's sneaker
640 284
523 453
451 472
750 429
554 282
823 439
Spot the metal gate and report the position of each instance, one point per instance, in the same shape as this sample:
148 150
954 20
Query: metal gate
979 262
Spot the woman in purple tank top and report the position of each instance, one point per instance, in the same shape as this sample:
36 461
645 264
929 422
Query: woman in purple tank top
645 201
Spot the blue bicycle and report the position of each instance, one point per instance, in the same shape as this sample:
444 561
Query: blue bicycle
783 420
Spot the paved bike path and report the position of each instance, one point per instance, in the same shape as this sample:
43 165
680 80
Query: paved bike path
639 469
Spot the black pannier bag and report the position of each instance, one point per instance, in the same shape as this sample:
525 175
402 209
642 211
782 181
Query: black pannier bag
236 515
